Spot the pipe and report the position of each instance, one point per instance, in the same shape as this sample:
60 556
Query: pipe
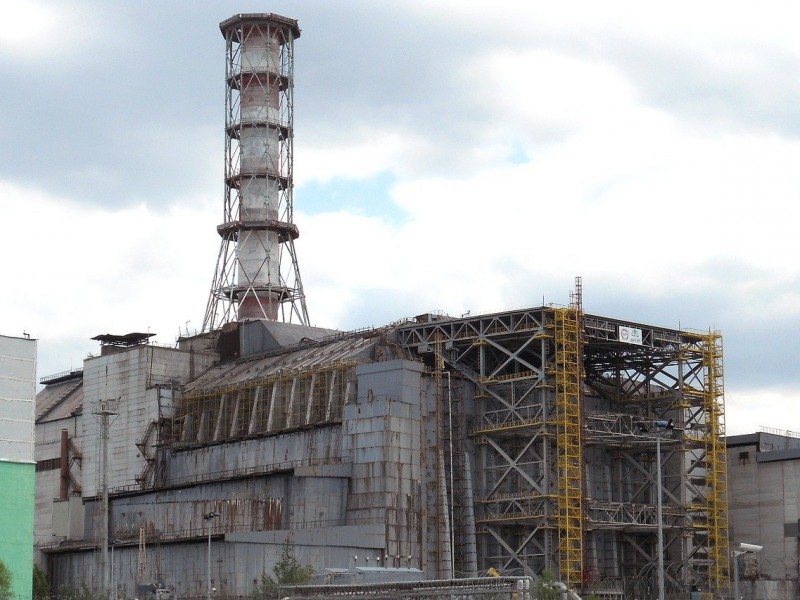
470 548
452 470
446 561
660 521
64 464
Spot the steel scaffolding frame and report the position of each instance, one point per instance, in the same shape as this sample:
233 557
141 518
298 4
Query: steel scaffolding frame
514 362
569 444
716 449
711 462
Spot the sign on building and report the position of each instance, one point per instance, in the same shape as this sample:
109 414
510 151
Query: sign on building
630 335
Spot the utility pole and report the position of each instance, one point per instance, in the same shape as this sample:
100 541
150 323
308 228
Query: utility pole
104 410
660 426
660 512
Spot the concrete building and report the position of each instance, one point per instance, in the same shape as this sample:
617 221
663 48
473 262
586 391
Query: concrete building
17 466
764 485
440 447
438 444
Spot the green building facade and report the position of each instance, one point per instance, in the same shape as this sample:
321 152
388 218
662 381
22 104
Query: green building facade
16 524
17 466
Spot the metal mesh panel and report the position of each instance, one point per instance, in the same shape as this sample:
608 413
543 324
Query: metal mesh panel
484 588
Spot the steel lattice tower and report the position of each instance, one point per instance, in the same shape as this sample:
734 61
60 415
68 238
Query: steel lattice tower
257 276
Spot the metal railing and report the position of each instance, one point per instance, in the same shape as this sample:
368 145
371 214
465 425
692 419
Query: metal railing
478 588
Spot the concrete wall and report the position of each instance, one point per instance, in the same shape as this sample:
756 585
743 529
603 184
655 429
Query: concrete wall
258 455
17 392
382 432
139 379
142 378
764 508
48 473
341 490
237 560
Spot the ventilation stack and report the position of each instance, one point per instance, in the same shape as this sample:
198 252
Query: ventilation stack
257 276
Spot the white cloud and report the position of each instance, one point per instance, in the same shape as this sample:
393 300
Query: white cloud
650 149
26 23
79 271
748 410
33 30
548 89
357 154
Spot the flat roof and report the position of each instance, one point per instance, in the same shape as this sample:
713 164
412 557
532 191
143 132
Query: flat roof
748 439
129 339
254 17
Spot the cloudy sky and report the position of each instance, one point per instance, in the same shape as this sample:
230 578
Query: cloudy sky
450 155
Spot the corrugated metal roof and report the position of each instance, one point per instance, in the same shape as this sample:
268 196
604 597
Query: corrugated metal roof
318 355
59 400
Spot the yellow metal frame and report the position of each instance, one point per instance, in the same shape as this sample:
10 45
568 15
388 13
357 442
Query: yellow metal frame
717 477
569 442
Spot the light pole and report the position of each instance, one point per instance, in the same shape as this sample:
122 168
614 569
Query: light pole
114 542
735 554
660 510
208 518
660 426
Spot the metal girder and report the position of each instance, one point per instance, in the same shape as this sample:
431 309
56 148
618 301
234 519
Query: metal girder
513 464
498 325
650 561
515 556
631 517
513 361
517 508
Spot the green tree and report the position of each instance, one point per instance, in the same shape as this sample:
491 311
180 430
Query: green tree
41 587
5 582
288 571
83 592
544 587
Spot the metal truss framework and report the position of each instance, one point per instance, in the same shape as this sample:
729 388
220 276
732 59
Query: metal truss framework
257 274
455 517
517 363
264 406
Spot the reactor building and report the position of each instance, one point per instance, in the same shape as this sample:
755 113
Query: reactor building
433 447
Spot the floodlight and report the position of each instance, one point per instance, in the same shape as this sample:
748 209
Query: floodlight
750 547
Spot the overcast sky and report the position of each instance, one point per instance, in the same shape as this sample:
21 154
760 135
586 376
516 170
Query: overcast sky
450 155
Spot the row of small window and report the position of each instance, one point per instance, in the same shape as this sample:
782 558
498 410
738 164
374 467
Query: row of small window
48 465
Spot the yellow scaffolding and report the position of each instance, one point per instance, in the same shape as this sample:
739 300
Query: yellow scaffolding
567 323
716 478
